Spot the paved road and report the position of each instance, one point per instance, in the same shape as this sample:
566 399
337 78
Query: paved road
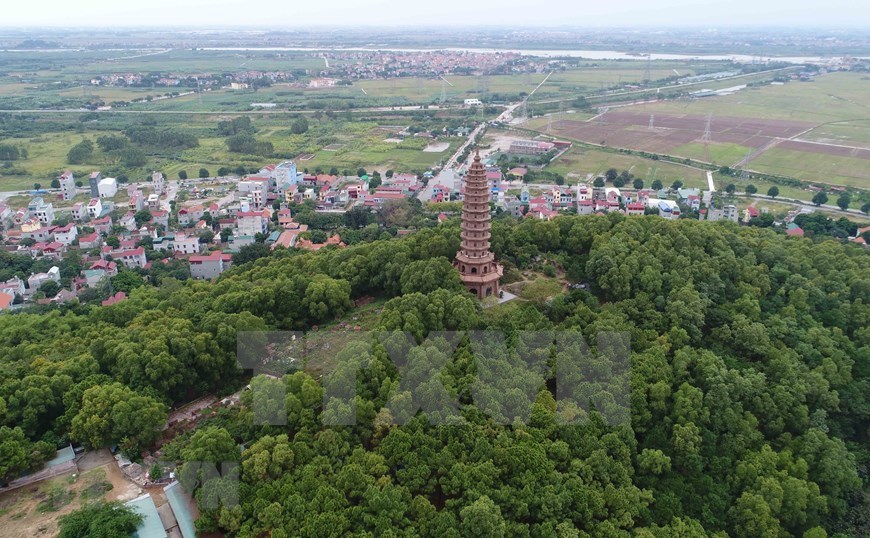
219 112
672 86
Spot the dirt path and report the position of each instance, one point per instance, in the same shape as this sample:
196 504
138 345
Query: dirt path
28 512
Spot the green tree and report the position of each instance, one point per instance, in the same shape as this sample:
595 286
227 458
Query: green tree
425 276
678 184
657 185
637 183
50 288
203 173
249 253
81 152
101 519
18 454
299 125
844 200
127 281
773 191
751 189
820 198
482 518
611 174
114 413
211 444
142 216
730 188
112 142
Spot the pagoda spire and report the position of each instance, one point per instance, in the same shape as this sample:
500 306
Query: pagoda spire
477 267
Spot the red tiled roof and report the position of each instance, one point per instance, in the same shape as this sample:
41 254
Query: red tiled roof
214 256
115 299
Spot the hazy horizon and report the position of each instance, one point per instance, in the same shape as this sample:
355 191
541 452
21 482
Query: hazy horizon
271 14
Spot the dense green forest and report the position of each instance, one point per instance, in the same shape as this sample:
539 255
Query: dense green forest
750 378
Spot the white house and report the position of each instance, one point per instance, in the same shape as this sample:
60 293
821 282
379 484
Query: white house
41 210
95 208
66 234
67 185
250 223
37 280
183 244
130 258
210 266
107 187
157 182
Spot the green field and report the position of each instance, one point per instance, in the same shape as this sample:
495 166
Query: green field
577 162
808 166
785 191
837 102
849 132
719 154
827 98
362 144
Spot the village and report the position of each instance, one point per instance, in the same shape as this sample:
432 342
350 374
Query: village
203 222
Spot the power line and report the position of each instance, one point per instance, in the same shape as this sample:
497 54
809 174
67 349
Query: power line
707 132
646 74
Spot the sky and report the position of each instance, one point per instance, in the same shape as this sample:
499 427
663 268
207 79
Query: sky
576 13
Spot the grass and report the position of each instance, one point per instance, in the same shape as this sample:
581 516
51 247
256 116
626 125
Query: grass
849 171
538 290
850 133
831 97
785 191
577 162
362 146
55 498
324 344
720 154
837 97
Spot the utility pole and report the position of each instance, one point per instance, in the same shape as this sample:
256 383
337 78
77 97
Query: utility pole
646 74
707 136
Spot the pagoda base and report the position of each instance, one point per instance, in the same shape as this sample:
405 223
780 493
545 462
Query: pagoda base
486 285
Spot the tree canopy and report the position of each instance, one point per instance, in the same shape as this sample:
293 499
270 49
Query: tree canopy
744 410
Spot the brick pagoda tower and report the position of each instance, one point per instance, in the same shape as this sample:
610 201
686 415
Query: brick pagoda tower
476 264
